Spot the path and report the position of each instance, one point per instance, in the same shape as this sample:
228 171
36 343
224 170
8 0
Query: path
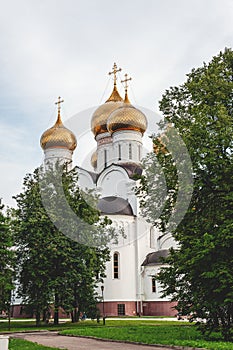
76 343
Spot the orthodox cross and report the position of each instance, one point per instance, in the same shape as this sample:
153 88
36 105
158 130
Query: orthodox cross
126 82
58 103
114 72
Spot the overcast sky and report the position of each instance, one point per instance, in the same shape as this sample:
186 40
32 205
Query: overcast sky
51 48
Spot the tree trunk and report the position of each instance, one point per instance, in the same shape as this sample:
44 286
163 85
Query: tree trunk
75 315
56 309
76 312
37 318
44 315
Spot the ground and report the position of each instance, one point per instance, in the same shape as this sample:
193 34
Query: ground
77 343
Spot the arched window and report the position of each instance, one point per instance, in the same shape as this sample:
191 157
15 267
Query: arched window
116 259
130 151
119 152
153 284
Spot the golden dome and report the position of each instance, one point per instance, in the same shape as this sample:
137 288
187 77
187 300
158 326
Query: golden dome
159 146
101 114
94 160
58 137
160 143
127 117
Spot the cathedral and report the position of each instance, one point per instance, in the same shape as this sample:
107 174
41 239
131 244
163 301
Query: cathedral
130 287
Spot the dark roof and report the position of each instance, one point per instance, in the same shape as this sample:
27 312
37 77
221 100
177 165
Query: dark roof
132 168
115 205
155 257
91 173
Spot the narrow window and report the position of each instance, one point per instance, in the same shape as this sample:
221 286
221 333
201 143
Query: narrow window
152 238
130 151
121 309
116 265
139 152
105 158
153 285
119 152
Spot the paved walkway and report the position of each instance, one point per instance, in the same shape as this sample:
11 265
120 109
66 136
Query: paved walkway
75 343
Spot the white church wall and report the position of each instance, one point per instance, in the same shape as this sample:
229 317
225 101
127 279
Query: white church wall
104 151
124 287
132 252
85 180
143 233
113 182
150 293
167 241
132 198
104 157
61 155
124 140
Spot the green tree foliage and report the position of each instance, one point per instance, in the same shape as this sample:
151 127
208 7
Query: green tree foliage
54 269
6 262
200 272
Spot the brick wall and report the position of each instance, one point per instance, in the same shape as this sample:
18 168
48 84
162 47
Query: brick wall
151 308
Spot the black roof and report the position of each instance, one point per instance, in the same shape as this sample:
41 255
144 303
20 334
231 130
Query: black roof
155 257
115 205
131 168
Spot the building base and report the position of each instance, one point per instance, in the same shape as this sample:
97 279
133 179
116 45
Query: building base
133 308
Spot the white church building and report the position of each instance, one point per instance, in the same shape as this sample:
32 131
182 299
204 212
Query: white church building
118 127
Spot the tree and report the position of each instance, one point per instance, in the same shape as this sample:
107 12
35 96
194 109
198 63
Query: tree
6 262
55 268
200 274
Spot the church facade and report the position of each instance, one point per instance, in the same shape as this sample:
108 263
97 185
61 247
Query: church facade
130 287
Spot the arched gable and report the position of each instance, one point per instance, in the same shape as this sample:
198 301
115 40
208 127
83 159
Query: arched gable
113 181
85 180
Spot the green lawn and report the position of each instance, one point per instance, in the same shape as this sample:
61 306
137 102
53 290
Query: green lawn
20 344
181 334
149 331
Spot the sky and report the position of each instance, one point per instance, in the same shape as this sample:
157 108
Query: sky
51 48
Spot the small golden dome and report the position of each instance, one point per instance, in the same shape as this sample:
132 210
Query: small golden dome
101 114
127 117
159 146
94 160
160 143
58 137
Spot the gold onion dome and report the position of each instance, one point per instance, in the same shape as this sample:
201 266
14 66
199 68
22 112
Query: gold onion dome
101 114
127 117
159 146
58 136
161 142
94 159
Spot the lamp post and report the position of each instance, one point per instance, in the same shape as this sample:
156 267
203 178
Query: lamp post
102 290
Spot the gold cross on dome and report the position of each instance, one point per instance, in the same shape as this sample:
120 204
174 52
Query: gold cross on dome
114 71
58 103
126 82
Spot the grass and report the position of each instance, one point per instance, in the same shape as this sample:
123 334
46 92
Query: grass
167 333
20 344
22 326
149 331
